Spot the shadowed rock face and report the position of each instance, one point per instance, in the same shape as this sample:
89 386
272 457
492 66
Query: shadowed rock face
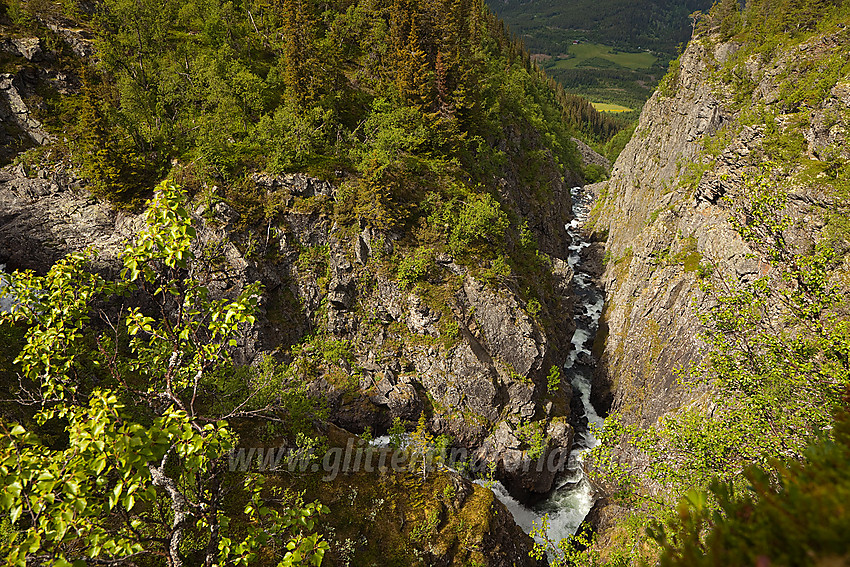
36 67
45 217
655 211
19 130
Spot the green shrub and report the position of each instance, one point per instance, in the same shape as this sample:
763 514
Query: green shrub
553 380
594 173
414 267
670 82
293 134
396 433
616 144
533 434
480 220
689 257
450 330
499 269
801 520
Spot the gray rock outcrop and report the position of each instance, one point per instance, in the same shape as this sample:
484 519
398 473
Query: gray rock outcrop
589 156
18 128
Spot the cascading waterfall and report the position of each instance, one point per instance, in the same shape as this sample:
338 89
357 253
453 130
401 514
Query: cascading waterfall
568 505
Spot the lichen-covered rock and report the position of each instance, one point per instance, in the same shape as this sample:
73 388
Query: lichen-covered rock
664 203
505 329
29 48
296 183
404 402
79 40
653 217
528 472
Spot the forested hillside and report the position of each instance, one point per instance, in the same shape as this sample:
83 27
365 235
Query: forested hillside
288 226
218 85
547 26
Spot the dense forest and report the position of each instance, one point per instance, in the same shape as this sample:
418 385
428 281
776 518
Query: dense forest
217 85
550 27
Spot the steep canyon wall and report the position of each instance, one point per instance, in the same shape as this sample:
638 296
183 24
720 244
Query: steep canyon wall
715 122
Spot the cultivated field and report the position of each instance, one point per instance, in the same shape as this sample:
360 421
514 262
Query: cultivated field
605 107
602 56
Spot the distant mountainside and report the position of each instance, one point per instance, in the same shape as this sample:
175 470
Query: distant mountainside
618 30
550 26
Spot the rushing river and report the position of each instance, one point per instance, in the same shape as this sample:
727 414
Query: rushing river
567 506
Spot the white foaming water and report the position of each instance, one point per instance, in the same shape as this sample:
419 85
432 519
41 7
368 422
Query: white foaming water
582 384
566 508
382 441
580 338
568 505
6 302
594 310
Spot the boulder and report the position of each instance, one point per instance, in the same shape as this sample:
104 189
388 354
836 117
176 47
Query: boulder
404 402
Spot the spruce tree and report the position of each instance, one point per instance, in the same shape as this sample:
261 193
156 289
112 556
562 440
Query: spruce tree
101 163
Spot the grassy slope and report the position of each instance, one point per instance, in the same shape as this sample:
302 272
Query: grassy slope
598 55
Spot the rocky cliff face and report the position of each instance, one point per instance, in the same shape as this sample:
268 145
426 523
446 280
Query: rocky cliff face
665 219
479 363
406 355
652 218
394 358
664 214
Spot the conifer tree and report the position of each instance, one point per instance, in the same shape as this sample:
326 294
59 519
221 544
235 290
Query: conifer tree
726 14
297 36
101 164
413 77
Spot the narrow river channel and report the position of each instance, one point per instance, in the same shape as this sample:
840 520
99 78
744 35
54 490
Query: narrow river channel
568 505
